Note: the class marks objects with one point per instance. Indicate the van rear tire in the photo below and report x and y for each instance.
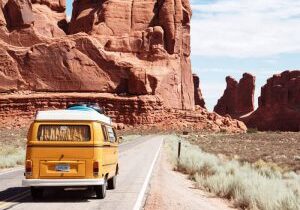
(36, 193)
(101, 190)
(111, 183)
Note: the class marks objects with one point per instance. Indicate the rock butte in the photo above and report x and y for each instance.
(136, 53)
(278, 105)
(238, 97)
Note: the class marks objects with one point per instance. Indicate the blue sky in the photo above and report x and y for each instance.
(230, 37)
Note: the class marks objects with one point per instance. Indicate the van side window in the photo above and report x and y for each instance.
(111, 134)
(104, 132)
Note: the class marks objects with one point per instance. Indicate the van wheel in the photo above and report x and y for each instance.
(36, 193)
(111, 183)
(101, 190)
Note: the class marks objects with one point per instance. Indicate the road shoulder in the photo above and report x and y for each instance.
(172, 190)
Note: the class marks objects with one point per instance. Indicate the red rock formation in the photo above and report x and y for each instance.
(130, 48)
(19, 13)
(279, 104)
(139, 112)
(56, 5)
(199, 100)
(24, 24)
(139, 50)
(238, 98)
(2, 18)
(158, 30)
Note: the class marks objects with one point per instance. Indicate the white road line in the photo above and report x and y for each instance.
(12, 170)
(139, 201)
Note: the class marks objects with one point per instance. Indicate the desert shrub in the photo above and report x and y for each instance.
(249, 186)
(11, 156)
(268, 169)
(252, 130)
(12, 147)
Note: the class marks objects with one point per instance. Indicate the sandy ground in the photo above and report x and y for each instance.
(271, 147)
(172, 190)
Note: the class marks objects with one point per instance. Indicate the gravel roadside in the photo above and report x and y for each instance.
(172, 190)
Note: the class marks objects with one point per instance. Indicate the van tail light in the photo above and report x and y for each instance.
(96, 168)
(28, 167)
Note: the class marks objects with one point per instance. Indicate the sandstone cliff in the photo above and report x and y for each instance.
(129, 47)
(238, 97)
(136, 53)
(279, 104)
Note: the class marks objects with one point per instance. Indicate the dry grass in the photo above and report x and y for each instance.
(11, 157)
(277, 149)
(12, 147)
(249, 186)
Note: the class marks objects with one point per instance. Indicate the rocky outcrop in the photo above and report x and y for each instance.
(19, 13)
(132, 25)
(139, 112)
(199, 100)
(279, 104)
(56, 5)
(26, 23)
(2, 17)
(159, 31)
(49, 18)
(129, 48)
(238, 97)
(137, 52)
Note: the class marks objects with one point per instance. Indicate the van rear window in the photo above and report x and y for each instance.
(76, 133)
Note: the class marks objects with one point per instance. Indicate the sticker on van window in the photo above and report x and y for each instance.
(63, 128)
(76, 133)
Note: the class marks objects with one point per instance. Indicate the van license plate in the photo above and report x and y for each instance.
(62, 167)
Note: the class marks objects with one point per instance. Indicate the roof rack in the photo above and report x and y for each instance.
(93, 106)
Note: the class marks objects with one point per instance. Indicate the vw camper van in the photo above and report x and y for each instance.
(71, 148)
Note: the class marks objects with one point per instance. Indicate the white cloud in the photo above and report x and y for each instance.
(246, 28)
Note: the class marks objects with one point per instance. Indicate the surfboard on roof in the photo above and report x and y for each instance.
(74, 113)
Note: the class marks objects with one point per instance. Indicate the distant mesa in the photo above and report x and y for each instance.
(238, 97)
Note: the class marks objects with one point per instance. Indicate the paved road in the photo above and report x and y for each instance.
(136, 162)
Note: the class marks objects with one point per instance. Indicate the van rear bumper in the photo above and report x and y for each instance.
(61, 182)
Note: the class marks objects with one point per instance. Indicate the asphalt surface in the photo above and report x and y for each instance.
(136, 161)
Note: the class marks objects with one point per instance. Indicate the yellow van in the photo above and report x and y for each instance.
(71, 148)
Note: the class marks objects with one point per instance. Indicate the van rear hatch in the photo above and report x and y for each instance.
(62, 150)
